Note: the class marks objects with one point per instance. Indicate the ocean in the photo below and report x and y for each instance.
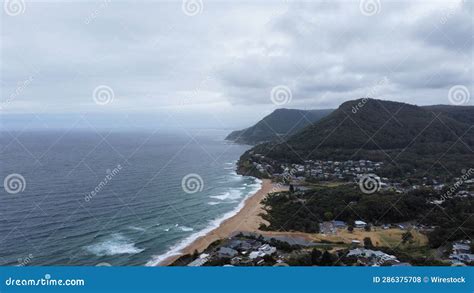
(113, 198)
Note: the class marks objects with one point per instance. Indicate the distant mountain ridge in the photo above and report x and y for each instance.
(278, 125)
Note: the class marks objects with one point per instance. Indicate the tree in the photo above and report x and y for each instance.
(328, 216)
(268, 259)
(368, 242)
(326, 259)
(315, 255)
(407, 237)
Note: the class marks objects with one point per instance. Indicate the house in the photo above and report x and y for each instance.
(373, 256)
(339, 224)
(240, 245)
(460, 248)
(263, 250)
(254, 254)
(360, 224)
(266, 249)
(226, 252)
(201, 260)
(464, 257)
(235, 261)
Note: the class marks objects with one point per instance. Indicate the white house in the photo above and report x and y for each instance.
(360, 224)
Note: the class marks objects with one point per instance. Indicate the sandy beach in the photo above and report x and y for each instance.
(246, 220)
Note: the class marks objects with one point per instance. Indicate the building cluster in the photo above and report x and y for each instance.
(460, 189)
(328, 170)
(323, 170)
(369, 257)
(240, 252)
(461, 253)
(355, 171)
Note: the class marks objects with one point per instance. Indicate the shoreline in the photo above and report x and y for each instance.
(247, 219)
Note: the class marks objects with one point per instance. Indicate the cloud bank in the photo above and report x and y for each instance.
(198, 57)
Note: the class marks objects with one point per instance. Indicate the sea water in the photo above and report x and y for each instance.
(118, 198)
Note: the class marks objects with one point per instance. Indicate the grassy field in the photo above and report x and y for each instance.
(387, 238)
(325, 184)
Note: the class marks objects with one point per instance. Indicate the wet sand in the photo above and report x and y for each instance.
(246, 220)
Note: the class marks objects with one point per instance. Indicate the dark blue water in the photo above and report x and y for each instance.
(115, 198)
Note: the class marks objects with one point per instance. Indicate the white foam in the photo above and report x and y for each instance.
(229, 195)
(186, 229)
(213, 203)
(176, 249)
(117, 244)
(137, 228)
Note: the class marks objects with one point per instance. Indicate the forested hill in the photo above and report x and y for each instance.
(407, 136)
(278, 125)
(463, 114)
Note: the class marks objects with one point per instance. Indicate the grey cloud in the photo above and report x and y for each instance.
(338, 51)
(231, 55)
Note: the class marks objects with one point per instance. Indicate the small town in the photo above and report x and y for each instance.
(349, 171)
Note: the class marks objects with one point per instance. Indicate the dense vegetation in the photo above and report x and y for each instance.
(278, 125)
(412, 141)
(464, 114)
(303, 211)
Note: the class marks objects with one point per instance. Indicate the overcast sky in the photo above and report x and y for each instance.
(204, 63)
